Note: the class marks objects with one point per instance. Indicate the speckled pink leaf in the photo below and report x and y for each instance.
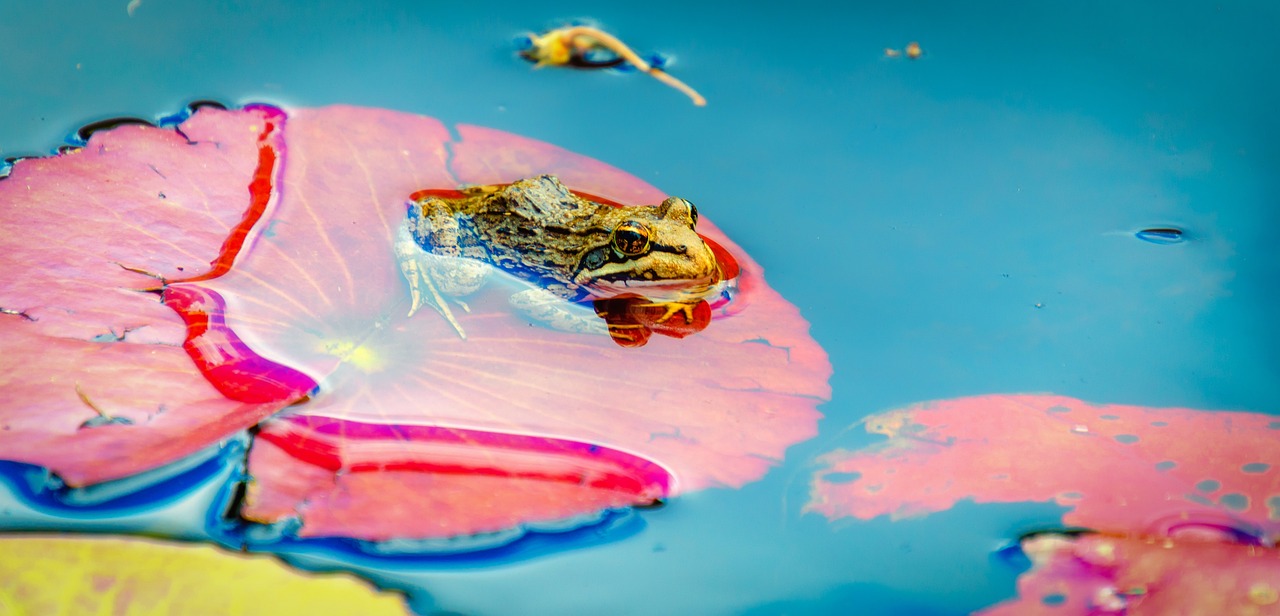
(1120, 468)
(1096, 575)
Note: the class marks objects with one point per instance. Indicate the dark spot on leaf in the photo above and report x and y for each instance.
(1234, 501)
(1127, 439)
(1209, 485)
(1255, 467)
(1056, 598)
(1166, 465)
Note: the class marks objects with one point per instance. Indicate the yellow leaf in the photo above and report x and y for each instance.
(48, 575)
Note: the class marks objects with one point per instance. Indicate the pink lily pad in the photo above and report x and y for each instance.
(94, 383)
(1120, 468)
(1095, 575)
(435, 482)
(323, 294)
(269, 241)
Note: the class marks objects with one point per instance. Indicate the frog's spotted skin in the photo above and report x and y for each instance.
(566, 247)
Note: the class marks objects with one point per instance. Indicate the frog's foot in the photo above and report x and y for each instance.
(671, 309)
(427, 273)
(419, 281)
(549, 309)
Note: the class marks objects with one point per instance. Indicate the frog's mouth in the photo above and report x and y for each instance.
(674, 290)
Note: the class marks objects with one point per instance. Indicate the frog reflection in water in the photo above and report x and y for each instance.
(567, 248)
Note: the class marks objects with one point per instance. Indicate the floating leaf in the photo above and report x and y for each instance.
(270, 240)
(107, 575)
(1094, 574)
(1120, 468)
(94, 383)
(321, 292)
(383, 482)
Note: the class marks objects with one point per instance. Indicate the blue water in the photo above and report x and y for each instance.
(962, 224)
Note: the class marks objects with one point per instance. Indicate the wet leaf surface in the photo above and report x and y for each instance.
(107, 575)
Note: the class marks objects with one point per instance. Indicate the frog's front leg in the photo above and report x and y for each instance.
(556, 312)
(434, 279)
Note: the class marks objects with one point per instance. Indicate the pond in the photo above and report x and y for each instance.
(1055, 206)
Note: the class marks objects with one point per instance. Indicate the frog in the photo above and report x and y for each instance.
(565, 248)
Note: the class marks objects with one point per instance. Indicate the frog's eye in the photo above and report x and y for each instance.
(693, 213)
(631, 238)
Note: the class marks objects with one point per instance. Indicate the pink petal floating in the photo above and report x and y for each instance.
(1095, 575)
(1121, 468)
(94, 383)
(321, 292)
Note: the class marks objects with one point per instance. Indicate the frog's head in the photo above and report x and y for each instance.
(649, 247)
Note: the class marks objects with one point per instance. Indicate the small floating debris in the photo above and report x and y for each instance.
(912, 51)
(582, 46)
(103, 419)
(1161, 235)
